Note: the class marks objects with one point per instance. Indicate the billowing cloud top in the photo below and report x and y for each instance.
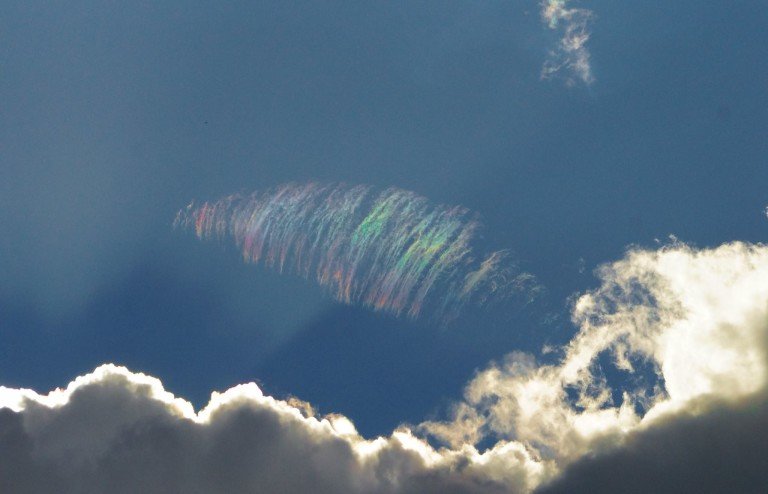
(687, 328)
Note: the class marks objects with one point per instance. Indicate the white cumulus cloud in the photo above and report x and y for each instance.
(688, 327)
(118, 431)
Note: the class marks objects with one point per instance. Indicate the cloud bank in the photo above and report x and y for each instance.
(571, 55)
(662, 389)
(117, 431)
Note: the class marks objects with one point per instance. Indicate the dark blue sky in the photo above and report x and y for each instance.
(116, 114)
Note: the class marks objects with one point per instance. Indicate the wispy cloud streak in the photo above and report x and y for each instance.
(391, 251)
(571, 54)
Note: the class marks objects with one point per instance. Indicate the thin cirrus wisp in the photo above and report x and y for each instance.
(391, 251)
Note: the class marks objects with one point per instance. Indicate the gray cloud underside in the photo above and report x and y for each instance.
(113, 436)
(722, 451)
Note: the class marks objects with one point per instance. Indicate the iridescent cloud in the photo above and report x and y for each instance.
(392, 251)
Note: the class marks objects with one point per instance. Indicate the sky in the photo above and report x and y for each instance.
(616, 153)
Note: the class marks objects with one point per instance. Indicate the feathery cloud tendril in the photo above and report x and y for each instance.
(391, 251)
(571, 54)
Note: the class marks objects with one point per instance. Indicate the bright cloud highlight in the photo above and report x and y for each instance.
(697, 318)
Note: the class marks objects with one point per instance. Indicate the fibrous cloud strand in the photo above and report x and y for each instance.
(391, 251)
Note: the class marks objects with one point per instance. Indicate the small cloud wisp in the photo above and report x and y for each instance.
(571, 54)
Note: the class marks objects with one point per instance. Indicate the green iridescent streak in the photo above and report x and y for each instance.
(424, 247)
(373, 224)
